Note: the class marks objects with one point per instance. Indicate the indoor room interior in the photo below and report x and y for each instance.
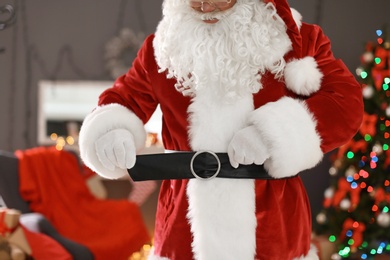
(56, 57)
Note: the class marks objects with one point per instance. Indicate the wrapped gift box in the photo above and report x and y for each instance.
(12, 231)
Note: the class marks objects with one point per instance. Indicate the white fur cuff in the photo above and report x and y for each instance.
(289, 132)
(102, 120)
(302, 76)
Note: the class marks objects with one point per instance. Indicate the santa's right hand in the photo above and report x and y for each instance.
(116, 149)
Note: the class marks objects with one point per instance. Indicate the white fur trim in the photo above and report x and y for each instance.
(302, 76)
(220, 207)
(102, 120)
(217, 209)
(289, 132)
(297, 17)
(311, 255)
(152, 256)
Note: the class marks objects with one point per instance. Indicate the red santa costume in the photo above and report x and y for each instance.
(258, 68)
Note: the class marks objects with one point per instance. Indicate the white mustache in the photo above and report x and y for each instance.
(214, 15)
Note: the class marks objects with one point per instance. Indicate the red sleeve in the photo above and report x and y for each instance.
(134, 89)
(338, 105)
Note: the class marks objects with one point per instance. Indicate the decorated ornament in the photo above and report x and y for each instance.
(350, 171)
(335, 257)
(359, 71)
(328, 197)
(332, 171)
(378, 148)
(321, 218)
(329, 193)
(368, 92)
(383, 219)
(345, 204)
(367, 57)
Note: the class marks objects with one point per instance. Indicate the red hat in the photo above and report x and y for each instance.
(301, 74)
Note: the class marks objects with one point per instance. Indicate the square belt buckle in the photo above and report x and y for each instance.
(205, 178)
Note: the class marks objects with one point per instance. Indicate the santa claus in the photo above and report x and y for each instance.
(241, 78)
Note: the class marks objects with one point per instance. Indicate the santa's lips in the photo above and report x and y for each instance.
(212, 17)
(212, 20)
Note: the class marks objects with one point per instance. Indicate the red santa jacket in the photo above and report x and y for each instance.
(299, 125)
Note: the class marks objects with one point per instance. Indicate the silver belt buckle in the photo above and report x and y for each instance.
(192, 165)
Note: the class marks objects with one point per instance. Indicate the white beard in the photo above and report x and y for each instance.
(229, 56)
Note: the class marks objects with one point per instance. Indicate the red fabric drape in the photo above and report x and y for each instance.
(44, 247)
(52, 183)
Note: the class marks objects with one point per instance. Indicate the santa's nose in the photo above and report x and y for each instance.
(207, 7)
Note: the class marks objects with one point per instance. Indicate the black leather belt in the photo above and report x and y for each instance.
(203, 165)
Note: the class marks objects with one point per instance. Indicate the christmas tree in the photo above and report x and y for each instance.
(356, 209)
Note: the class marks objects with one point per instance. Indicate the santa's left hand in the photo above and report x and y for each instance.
(247, 147)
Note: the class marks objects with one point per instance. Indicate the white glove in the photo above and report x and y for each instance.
(116, 149)
(247, 147)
